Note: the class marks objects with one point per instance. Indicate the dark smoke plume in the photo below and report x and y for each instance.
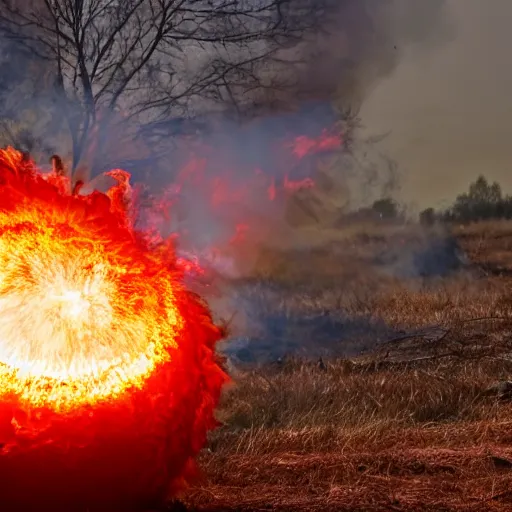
(333, 72)
(362, 43)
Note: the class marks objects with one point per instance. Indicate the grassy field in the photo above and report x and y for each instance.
(400, 412)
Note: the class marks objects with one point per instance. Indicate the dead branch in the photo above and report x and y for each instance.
(150, 59)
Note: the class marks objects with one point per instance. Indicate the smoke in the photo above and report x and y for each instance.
(235, 164)
(449, 111)
(216, 182)
(361, 45)
(24, 121)
(340, 68)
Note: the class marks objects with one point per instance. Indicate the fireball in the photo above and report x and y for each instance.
(108, 376)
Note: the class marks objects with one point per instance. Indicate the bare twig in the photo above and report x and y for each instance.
(151, 58)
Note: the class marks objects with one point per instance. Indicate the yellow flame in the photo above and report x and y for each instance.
(73, 328)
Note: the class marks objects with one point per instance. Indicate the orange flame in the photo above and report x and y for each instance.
(88, 310)
(108, 375)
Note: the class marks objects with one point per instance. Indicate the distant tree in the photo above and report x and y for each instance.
(387, 208)
(483, 201)
(428, 217)
(482, 192)
(507, 207)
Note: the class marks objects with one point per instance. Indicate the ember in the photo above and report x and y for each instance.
(108, 374)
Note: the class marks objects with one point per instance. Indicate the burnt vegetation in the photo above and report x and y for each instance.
(363, 386)
(366, 391)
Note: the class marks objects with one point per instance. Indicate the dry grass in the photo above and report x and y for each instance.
(406, 427)
(299, 438)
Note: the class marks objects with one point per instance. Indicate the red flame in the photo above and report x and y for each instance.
(108, 374)
(303, 146)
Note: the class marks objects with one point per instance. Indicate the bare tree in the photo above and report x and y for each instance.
(147, 60)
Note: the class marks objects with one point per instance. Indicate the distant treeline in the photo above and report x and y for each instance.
(382, 209)
(483, 201)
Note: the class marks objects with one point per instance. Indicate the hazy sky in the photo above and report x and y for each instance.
(450, 109)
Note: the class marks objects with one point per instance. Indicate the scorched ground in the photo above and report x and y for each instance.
(108, 379)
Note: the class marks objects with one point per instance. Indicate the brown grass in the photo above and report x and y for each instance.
(409, 426)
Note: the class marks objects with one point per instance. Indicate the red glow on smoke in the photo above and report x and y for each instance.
(223, 187)
(303, 146)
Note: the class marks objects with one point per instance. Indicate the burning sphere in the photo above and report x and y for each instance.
(108, 377)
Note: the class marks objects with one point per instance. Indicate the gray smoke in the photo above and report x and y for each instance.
(362, 43)
(449, 110)
(334, 73)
